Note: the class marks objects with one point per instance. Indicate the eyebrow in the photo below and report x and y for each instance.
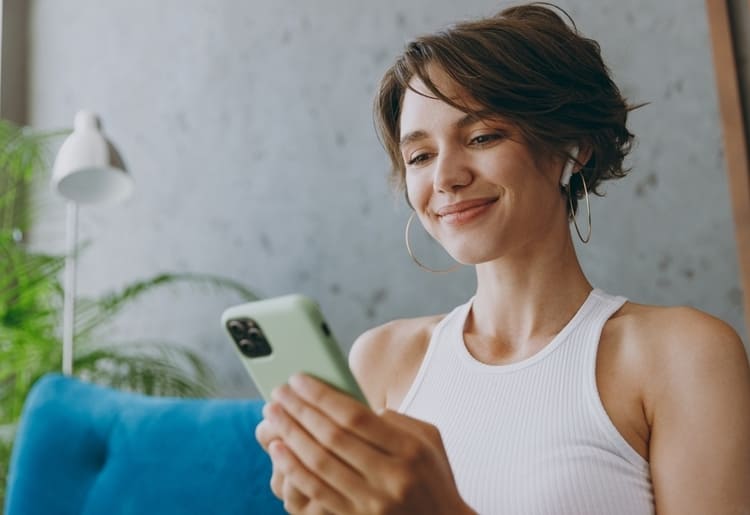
(463, 122)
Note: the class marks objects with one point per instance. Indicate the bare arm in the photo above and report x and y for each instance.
(698, 400)
(385, 359)
(366, 362)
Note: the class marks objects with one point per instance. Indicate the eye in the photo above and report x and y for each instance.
(418, 159)
(484, 139)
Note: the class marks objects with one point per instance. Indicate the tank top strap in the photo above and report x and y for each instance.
(605, 305)
(445, 333)
(590, 336)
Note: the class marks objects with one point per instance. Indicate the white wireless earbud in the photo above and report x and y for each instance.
(568, 170)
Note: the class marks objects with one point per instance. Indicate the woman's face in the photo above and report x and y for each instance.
(474, 183)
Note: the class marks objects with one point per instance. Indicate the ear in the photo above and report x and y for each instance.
(576, 161)
(569, 165)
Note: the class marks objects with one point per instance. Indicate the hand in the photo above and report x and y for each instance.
(266, 434)
(344, 458)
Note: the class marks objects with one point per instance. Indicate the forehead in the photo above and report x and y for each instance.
(420, 107)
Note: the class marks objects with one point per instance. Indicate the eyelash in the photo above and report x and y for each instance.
(417, 159)
(489, 137)
(486, 139)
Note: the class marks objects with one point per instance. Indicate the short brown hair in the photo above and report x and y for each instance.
(530, 67)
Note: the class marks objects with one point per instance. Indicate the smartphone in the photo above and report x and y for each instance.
(279, 337)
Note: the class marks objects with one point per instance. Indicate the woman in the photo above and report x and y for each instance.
(541, 394)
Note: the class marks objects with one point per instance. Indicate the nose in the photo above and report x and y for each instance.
(452, 171)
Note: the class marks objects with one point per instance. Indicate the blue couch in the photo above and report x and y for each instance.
(85, 449)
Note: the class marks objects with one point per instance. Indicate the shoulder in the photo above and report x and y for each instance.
(695, 382)
(385, 359)
(665, 330)
(678, 350)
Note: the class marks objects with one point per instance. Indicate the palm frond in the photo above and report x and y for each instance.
(6, 447)
(22, 154)
(151, 367)
(93, 313)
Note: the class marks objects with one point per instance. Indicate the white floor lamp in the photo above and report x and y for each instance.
(87, 170)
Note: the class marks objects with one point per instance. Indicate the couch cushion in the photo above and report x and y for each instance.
(85, 449)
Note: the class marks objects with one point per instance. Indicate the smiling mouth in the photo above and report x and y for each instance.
(464, 212)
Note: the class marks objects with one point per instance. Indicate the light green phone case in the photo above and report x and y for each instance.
(299, 340)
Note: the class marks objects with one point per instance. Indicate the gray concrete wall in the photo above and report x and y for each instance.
(247, 126)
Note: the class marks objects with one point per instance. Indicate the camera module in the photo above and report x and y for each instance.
(249, 337)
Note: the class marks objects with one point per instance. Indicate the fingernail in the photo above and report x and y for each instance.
(281, 394)
(276, 448)
(298, 381)
(275, 393)
(271, 412)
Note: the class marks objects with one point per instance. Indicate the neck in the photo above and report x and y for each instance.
(524, 299)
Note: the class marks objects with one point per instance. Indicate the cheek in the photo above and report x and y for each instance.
(418, 190)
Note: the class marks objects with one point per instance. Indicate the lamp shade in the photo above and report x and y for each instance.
(87, 168)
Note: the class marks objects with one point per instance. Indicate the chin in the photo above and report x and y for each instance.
(472, 256)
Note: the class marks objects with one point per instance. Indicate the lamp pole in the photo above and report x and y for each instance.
(69, 298)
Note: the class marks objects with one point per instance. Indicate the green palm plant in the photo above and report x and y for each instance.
(31, 299)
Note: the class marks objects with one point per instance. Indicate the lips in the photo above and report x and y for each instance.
(465, 205)
(464, 212)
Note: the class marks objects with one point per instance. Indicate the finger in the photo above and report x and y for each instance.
(284, 490)
(314, 456)
(348, 447)
(299, 477)
(299, 503)
(294, 500)
(277, 483)
(265, 433)
(347, 412)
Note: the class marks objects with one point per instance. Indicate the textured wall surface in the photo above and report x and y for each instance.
(247, 127)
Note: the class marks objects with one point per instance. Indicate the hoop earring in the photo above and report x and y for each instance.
(413, 257)
(588, 210)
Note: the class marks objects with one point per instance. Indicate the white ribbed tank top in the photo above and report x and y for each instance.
(531, 437)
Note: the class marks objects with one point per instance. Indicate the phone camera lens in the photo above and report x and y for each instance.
(236, 327)
(246, 346)
(249, 338)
